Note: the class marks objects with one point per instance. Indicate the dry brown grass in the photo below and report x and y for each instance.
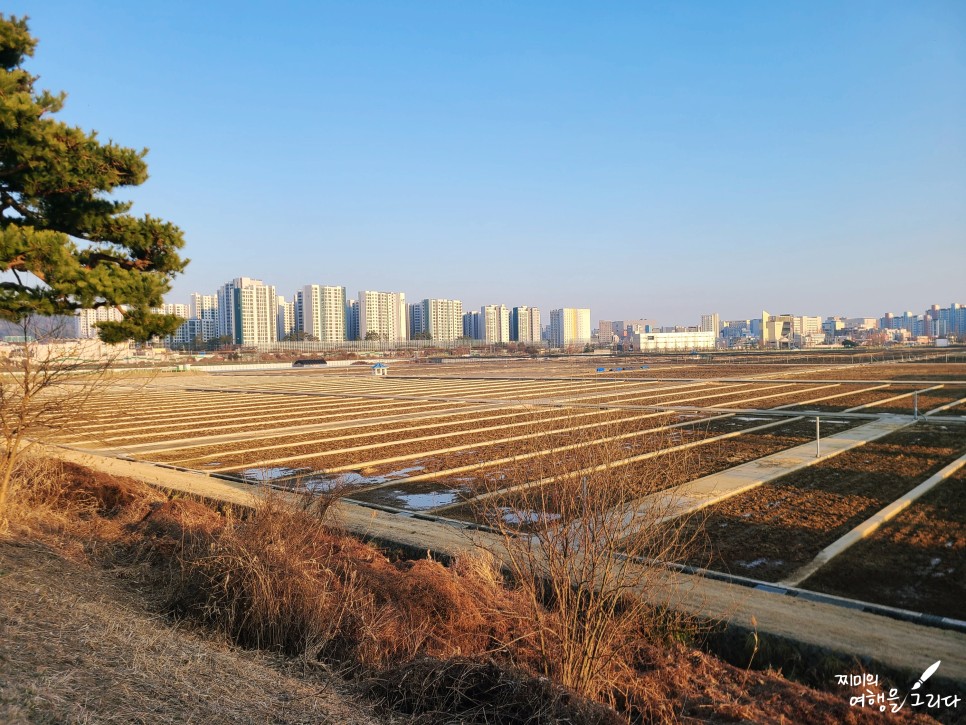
(446, 644)
(581, 561)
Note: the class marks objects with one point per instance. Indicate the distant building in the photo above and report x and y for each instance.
(286, 318)
(495, 324)
(323, 312)
(710, 323)
(525, 324)
(383, 315)
(85, 320)
(204, 308)
(417, 323)
(672, 341)
(352, 319)
(186, 333)
(248, 312)
(569, 326)
(442, 319)
(471, 325)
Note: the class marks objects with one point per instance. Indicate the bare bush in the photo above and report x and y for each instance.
(45, 386)
(587, 543)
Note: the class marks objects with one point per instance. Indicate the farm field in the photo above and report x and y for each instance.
(915, 561)
(434, 438)
(771, 531)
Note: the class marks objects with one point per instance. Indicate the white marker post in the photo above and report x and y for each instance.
(818, 439)
(915, 405)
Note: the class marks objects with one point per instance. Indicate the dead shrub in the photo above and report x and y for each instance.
(461, 690)
(587, 541)
(268, 582)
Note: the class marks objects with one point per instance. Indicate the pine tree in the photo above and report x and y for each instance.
(65, 242)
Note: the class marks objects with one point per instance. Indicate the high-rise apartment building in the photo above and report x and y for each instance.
(471, 325)
(525, 324)
(204, 308)
(569, 326)
(286, 318)
(323, 312)
(417, 321)
(495, 324)
(351, 319)
(383, 316)
(86, 319)
(248, 312)
(442, 319)
(710, 323)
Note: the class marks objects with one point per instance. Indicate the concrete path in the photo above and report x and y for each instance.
(867, 527)
(846, 631)
(703, 492)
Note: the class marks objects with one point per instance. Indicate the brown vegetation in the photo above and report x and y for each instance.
(461, 644)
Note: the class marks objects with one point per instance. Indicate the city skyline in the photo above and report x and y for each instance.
(657, 159)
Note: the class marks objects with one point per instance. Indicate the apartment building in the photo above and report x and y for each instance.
(471, 325)
(286, 318)
(442, 319)
(351, 319)
(204, 308)
(710, 323)
(323, 312)
(570, 326)
(525, 324)
(495, 324)
(248, 312)
(383, 315)
(85, 320)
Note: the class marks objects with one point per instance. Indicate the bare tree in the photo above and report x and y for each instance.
(46, 385)
(588, 542)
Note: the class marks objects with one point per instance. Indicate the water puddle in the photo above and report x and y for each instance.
(320, 481)
(426, 501)
(759, 562)
(526, 517)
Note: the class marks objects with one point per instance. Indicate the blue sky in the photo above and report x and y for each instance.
(658, 159)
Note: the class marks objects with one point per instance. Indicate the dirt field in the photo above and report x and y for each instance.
(774, 529)
(915, 561)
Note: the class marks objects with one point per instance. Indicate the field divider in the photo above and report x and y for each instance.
(688, 498)
(592, 469)
(402, 441)
(186, 429)
(871, 524)
(425, 454)
(947, 406)
(894, 397)
(263, 433)
(831, 397)
(635, 459)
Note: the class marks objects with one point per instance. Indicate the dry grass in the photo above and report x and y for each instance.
(443, 644)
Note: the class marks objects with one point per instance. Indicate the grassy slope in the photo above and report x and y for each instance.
(93, 558)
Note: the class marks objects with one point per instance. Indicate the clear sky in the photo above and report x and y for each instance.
(645, 159)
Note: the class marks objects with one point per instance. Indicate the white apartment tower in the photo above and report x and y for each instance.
(495, 323)
(204, 308)
(86, 320)
(710, 323)
(323, 312)
(525, 324)
(286, 318)
(569, 326)
(248, 312)
(384, 314)
(442, 319)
